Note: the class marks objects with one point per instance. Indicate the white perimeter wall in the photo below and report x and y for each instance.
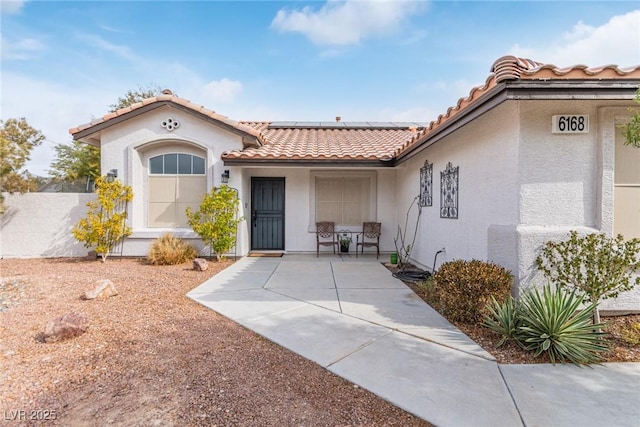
(40, 224)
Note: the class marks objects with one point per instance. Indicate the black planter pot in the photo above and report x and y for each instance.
(344, 248)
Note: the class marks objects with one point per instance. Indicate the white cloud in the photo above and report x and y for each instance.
(9, 7)
(22, 49)
(615, 42)
(222, 91)
(98, 42)
(112, 29)
(348, 22)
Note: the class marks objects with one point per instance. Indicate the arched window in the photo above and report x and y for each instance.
(176, 181)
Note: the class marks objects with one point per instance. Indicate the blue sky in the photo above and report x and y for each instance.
(64, 63)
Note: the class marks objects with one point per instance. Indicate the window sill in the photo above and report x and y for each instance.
(154, 233)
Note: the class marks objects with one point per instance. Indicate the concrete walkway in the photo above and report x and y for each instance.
(353, 318)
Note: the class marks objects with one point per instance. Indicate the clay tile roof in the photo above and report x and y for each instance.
(316, 141)
(168, 96)
(513, 68)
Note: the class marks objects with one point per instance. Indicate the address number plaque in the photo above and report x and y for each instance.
(565, 123)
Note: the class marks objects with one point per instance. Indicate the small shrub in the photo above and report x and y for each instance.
(503, 319)
(105, 224)
(462, 289)
(631, 334)
(552, 324)
(597, 266)
(216, 221)
(170, 250)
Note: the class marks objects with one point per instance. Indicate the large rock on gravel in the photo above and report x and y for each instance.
(63, 328)
(103, 289)
(200, 264)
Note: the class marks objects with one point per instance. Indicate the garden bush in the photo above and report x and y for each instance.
(105, 224)
(170, 250)
(597, 266)
(461, 290)
(549, 322)
(216, 221)
(631, 334)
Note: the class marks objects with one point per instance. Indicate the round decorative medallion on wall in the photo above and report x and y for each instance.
(170, 124)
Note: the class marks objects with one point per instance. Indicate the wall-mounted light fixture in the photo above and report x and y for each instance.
(112, 175)
(225, 176)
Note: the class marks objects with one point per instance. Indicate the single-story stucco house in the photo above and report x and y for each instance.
(533, 153)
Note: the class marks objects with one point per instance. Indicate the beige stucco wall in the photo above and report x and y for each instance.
(519, 186)
(574, 189)
(486, 152)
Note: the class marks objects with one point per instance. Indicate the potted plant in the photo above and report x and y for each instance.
(345, 241)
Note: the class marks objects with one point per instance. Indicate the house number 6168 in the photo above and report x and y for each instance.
(570, 124)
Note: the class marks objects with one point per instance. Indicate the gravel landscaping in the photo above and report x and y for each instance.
(151, 356)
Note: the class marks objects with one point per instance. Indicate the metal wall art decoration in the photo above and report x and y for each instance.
(426, 184)
(170, 124)
(449, 192)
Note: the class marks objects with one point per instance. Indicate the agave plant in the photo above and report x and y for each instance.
(551, 323)
(503, 319)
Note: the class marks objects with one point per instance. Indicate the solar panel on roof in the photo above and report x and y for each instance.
(333, 125)
(345, 125)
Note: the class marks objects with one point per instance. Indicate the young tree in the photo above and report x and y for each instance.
(217, 219)
(596, 266)
(105, 224)
(17, 139)
(76, 161)
(136, 95)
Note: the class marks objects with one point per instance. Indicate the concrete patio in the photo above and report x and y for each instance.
(354, 318)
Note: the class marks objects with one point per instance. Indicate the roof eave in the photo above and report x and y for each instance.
(248, 140)
(265, 162)
(526, 90)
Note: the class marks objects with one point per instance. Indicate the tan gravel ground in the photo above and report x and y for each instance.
(152, 356)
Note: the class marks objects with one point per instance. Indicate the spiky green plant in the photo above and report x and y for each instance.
(551, 323)
(503, 319)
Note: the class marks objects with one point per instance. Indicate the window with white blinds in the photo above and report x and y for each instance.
(176, 181)
(626, 196)
(344, 200)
